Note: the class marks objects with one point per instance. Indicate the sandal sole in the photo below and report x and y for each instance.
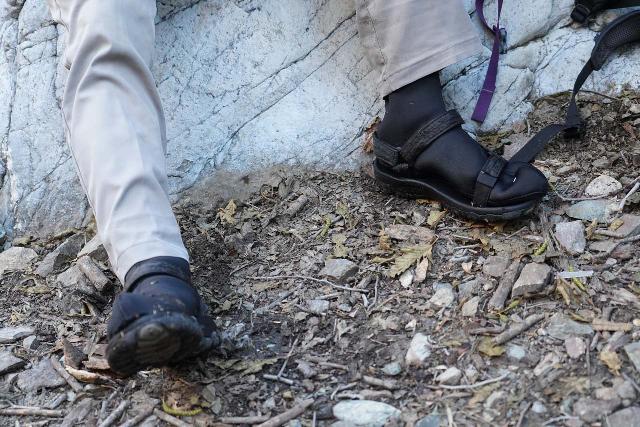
(415, 189)
(154, 341)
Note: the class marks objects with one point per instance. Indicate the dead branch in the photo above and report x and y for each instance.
(281, 419)
(170, 419)
(138, 418)
(73, 383)
(504, 288)
(32, 412)
(388, 384)
(245, 420)
(115, 415)
(517, 329)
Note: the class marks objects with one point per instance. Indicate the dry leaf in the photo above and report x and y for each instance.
(227, 214)
(409, 232)
(435, 217)
(410, 256)
(421, 270)
(339, 250)
(384, 241)
(488, 348)
(86, 376)
(611, 359)
(467, 266)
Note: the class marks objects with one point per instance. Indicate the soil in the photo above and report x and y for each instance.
(257, 263)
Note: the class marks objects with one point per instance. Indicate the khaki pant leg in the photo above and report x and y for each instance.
(406, 40)
(115, 126)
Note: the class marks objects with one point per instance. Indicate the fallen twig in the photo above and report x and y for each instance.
(278, 378)
(284, 365)
(517, 329)
(73, 383)
(504, 288)
(616, 243)
(605, 325)
(281, 419)
(629, 194)
(311, 279)
(32, 412)
(138, 418)
(522, 414)
(388, 384)
(170, 419)
(245, 420)
(574, 274)
(115, 415)
(491, 330)
(471, 386)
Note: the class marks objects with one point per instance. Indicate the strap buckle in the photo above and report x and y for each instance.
(502, 35)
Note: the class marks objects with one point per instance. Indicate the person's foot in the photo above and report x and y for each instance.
(446, 158)
(159, 319)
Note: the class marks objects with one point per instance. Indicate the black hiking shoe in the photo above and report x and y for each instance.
(422, 152)
(159, 319)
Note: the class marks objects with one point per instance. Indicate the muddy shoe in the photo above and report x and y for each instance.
(422, 152)
(159, 320)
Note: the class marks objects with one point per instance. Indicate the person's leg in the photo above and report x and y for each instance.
(408, 42)
(115, 128)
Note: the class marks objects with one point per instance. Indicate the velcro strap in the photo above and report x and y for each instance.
(487, 179)
(428, 133)
(386, 153)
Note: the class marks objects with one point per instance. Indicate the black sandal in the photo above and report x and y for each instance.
(394, 168)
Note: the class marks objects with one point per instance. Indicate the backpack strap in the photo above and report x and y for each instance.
(499, 46)
(586, 8)
(620, 32)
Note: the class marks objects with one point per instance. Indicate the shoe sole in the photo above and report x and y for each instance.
(415, 189)
(154, 341)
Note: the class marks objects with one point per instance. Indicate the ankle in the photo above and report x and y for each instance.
(174, 267)
(407, 108)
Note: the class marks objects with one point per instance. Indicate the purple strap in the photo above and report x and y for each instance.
(499, 42)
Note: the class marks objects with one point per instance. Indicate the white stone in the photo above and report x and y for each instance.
(450, 377)
(444, 295)
(406, 278)
(533, 278)
(367, 413)
(571, 236)
(232, 71)
(16, 259)
(12, 334)
(318, 306)
(470, 308)
(419, 350)
(602, 186)
(575, 347)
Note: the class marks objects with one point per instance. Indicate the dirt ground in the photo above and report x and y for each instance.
(411, 316)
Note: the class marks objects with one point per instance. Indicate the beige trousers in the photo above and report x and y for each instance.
(115, 124)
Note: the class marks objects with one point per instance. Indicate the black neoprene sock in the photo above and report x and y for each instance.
(455, 157)
(409, 107)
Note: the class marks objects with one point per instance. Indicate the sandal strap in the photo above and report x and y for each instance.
(428, 133)
(406, 155)
(487, 179)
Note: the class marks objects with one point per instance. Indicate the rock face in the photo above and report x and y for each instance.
(247, 84)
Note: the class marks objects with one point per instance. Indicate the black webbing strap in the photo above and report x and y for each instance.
(487, 179)
(418, 142)
(622, 31)
(586, 8)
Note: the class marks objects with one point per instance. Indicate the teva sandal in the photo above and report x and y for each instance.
(394, 168)
(160, 321)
